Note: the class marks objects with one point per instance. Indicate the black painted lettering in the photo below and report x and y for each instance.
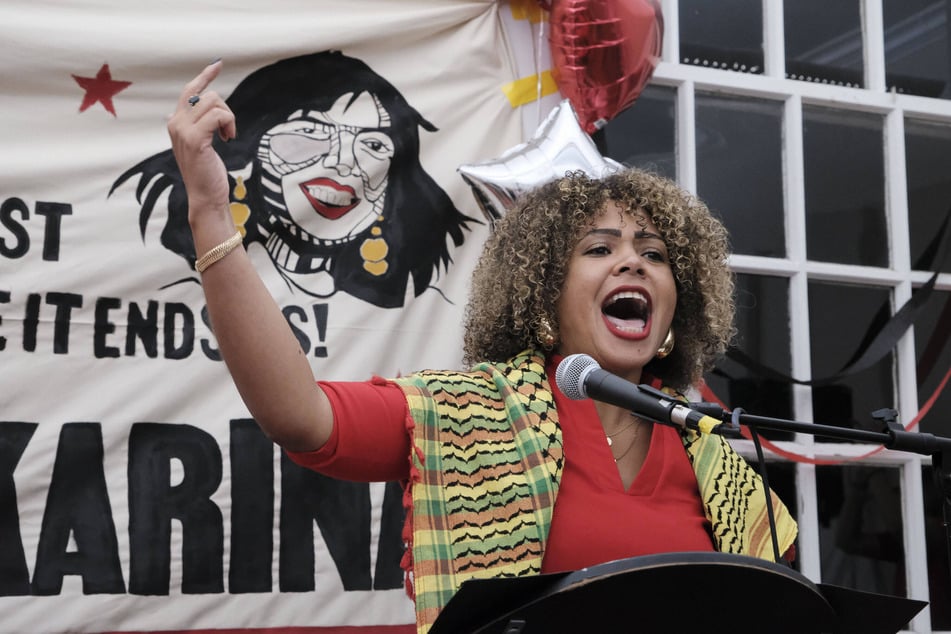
(4, 299)
(291, 312)
(77, 504)
(65, 303)
(173, 312)
(252, 508)
(18, 246)
(154, 502)
(142, 327)
(210, 351)
(54, 213)
(342, 512)
(14, 575)
(320, 318)
(31, 321)
(103, 327)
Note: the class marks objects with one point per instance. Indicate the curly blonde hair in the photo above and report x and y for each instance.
(518, 279)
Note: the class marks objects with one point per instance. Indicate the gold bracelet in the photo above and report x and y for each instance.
(218, 252)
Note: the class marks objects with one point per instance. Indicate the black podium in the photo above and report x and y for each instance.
(673, 593)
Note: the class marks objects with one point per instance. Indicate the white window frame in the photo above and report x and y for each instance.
(773, 85)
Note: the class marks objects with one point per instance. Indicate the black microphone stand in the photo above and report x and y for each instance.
(893, 436)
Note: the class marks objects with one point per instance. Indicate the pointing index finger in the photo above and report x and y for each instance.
(198, 85)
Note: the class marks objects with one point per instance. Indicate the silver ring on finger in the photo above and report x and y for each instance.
(194, 99)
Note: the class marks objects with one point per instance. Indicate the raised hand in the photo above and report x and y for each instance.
(199, 115)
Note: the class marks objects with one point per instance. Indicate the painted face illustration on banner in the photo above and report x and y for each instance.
(326, 175)
(331, 169)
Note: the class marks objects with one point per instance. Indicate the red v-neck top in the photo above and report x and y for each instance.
(594, 520)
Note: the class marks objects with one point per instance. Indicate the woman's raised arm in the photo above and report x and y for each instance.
(266, 362)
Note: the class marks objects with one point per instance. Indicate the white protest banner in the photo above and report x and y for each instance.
(136, 493)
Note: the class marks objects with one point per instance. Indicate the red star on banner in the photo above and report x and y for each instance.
(101, 88)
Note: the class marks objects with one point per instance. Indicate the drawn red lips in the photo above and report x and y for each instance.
(329, 198)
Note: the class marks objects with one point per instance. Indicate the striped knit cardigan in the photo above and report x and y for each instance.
(487, 461)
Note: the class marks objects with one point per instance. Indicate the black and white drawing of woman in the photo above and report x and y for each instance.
(325, 173)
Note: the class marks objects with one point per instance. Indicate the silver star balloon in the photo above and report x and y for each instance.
(558, 146)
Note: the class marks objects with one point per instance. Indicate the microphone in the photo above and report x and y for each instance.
(579, 376)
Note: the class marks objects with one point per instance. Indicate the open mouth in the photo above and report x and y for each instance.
(628, 311)
(329, 198)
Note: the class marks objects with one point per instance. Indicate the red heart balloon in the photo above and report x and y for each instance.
(603, 53)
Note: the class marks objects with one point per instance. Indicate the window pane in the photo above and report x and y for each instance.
(824, 41)
(916, 47)
(845, 187)
(842, 320)
(643, 134)
(860, 528)
(934, 358)
(726, 34)
(927, 148)
(740, 170)
(936, 540)
(762, 322)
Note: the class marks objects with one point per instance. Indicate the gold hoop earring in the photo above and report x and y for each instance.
(668, 346)
(546, 334)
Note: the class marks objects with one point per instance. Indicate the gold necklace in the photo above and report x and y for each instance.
(624, 429)
(637, 431)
